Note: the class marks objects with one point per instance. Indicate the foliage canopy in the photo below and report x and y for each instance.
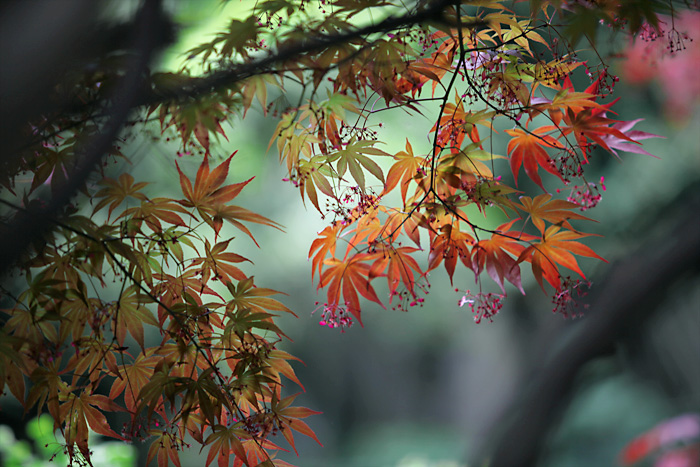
(103, 262)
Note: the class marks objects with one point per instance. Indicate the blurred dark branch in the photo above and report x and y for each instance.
(29, 227)
(427, 12)
(626, 298)
(195, 87)
(39, 41)
(431, 12)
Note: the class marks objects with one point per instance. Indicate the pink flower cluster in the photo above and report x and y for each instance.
(566, 299)
(588, 196)
(670, 55)
(483, 305)
(334, 316)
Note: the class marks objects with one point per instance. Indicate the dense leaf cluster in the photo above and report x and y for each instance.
(117, 263)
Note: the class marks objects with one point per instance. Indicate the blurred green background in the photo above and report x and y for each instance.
(425, 388)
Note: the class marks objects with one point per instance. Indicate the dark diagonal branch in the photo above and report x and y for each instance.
(628, 295)
(30, 226)
(433, 12)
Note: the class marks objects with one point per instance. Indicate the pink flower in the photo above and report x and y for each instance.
(671, 56)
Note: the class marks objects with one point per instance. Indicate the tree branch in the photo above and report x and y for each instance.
(29, 226)
(197, 87)
(628, 295)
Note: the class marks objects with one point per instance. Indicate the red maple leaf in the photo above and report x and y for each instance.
(528, 149)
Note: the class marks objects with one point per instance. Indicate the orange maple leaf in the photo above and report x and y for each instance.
(451, 244)
(399, 266)
(544, 208)
(323, 245)
(492, 255)
(207, 190)
(556, 247)
(406, 168)
(527, 149)
(348, 278)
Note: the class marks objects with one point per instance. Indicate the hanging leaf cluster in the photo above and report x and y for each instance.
(145, 306)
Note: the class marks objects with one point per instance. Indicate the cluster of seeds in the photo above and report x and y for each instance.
(334, 316)
(604, 81)
(587, 196)
(566, 299)
(483, 305)
(408, 299)
(351, 205)
(347, 132)
(138, 430)
(675, 40)
(569, 164)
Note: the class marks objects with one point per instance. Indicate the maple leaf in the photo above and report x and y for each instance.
(367, 228)
(510, 84)
(279, 365)
(440, 62)
(353, 158)
(521, 33)
(291, 145)
(258, 454)
(133, 377)
(203, 394)
(256, 86)
(79, 412)
(207, 190)
(411, 224)
(46, 385)
(613, 142)
(170, 291)
(165, 383)
(548, 74)
(449, 245)
(140, 265)
(289, 419)
(11, 365)
(115, 192)
(493, 255)
(399, 266)
(164, 448)
(464, 166)
(152, 211)
(225, 440)
(215, 261)
(370, 230)
(333, 112)
(314, 174)
(568, 99)
(199, 117)
(406, 168)
(323, 245)
(235, 214)
(242, 321)
(130, 314)
(246, 295)
(587, 125)
(527, 149)
(89, 360)
(181, 361)
(544, 208)
(347, 278)
(556, 247)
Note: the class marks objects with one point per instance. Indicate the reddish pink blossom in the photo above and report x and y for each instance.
(671, 56)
